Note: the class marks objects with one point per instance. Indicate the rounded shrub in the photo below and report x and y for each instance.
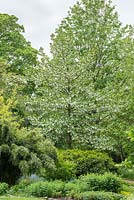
(88, 161)
(110, 182)
(107, 182)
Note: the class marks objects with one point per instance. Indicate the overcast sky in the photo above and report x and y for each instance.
(41, 17)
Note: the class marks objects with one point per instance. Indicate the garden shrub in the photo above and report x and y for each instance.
(75, 187)
(88, 161)
(111, 183)
(39, 189)
(46, 189)
(57, 188)
(91, 195)
(107, 182)
(20, 187)
(3, 188)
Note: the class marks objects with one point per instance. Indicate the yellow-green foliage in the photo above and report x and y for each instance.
(88, 161)
(22, 150)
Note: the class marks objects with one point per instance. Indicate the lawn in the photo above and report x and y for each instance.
(19, 198)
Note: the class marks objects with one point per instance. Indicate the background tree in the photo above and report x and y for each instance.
(16, 55)
(13, 46)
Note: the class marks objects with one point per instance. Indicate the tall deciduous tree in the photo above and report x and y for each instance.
(75, 90)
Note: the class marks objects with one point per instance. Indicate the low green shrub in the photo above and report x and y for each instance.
(57, 188)
(107, 182)
(88, 161)
(110, 182)
(3, 188)
(20, 187)
(46, 189)
(39, 189)
(75, 187)
(91, 195)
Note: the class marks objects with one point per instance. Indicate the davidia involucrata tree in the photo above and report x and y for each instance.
(79, 89)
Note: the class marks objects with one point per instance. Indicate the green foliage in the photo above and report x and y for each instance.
(130, 145)
(126, 169)
(57, 188)
(20, 198)
(73, 163)
(75, 187)
(107, 182)
(90, 182)
(99, 196)
(131, 135)
(127, 173)
(3, 188)
(22, 151)
(128, 188)
(87, 161)
(20, 187)
(46, 189)
(80, 90)
(64, 170)
(13, 46)
(81, 97)
(16, 57)
(111, 183)
(39, 189)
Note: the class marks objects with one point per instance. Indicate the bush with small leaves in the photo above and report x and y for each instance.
(20, 187)
(74, 187)
(46, 189)
(88, 161)
(3, 188)
(107, 182)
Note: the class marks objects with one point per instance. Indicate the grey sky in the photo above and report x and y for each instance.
(41, 17)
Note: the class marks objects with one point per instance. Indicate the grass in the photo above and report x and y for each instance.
(19, 198)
